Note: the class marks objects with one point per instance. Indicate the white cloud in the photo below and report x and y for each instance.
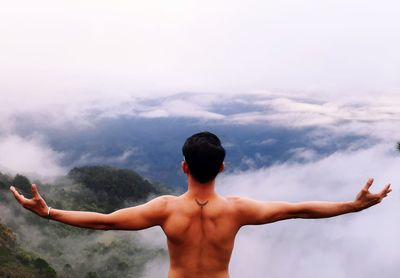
(268, 142)
(180, 108)
(29, 156)
(90, 159)
(303, 154)
(372, 116)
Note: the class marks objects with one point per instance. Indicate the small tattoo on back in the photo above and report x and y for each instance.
(201, 204)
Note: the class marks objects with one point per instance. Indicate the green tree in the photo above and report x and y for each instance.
(22, 183)
(112, 186)
(44, 268)
(40, 264)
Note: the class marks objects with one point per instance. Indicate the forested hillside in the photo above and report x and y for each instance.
(74, 252)
(16, 262)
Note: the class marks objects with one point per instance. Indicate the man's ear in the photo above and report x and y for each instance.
(222, 167)
(185, 167)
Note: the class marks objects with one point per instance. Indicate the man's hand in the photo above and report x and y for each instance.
(36, 204)
(366, 199)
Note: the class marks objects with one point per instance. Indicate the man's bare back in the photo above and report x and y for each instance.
(200, 236)
(200, 225)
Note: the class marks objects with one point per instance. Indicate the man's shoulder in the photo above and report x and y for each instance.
(162, 204)
(240, 203)
(236, 199)
(164, 199)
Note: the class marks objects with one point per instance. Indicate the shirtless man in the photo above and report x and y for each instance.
(200, 225)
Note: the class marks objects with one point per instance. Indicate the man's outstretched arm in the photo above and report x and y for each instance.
(150, 214)
(251, 212)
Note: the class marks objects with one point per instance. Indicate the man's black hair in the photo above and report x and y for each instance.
(204, 155)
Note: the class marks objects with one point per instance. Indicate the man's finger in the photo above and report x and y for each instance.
(385, 190)
(368, 184)
(35, 192)
(20, 198)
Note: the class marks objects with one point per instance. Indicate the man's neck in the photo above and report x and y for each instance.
(201, 191)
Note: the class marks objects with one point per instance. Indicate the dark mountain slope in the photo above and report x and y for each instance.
(15, 262)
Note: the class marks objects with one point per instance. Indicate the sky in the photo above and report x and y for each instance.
(328, 64)
(64, 48)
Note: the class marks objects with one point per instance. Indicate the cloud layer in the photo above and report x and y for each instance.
(29, 156)
(372, 118)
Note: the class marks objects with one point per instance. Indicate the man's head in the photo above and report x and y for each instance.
(204, 156)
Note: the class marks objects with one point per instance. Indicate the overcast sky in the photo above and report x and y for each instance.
(55, 48)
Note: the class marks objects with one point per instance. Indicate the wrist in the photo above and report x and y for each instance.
(43, 212)
(48, 216)
(357, 205)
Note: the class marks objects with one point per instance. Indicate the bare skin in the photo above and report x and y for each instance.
(200, 225)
